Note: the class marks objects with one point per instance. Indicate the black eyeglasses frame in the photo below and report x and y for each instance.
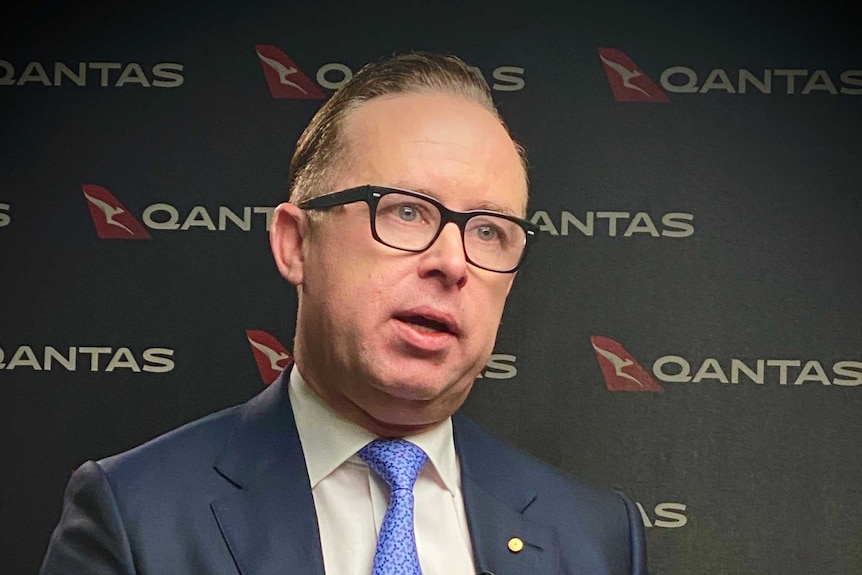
(371, 195)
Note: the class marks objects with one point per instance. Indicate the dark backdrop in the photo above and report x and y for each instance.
(695, 168)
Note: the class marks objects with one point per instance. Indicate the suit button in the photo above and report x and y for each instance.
(515, 545)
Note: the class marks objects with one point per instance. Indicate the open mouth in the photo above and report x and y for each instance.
(426, 324)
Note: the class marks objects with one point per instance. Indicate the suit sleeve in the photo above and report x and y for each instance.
(637, 541)
(90, 538)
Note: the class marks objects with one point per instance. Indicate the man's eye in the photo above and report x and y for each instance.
(408, 213)
(487, 233)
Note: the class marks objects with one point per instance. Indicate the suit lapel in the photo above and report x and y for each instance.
(504, 541)
(269, 521)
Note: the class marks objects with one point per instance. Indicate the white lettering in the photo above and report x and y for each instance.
(819, 80)
(24, 357)
(682, 376)
(94, 353)
(61, 70)
(511, 78)
(612, 218)
(644, 516)
(851, 77)
(103, 68)
(677, 221)
(807, 375)
(782, 365)
(791, 76)
(167, 75)
(171, 223)
(52, 354)
(587, 228)
(199, 217)
(132, 74)
(344, 71)
(500, 366)
(123, 358)
(690, 85)
(710, 369)
(8, 76)
(848, 369)
(717, 80)
(225, 214)
(159, 359)
(671, 516)
(737, 366)
(34, 72)
(746, 77)
(267, 212)
(5, 217)
(543, 220)
(641, 223)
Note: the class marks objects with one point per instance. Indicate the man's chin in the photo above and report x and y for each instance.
(411, 402)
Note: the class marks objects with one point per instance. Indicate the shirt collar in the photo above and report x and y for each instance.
(328, 439)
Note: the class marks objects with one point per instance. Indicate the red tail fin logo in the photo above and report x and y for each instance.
(269, 354)
(111, 218)
(622, 371)
(285, 79)
(628, 82)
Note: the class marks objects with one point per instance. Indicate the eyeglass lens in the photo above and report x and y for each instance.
(411, 223)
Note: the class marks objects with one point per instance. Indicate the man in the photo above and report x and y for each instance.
(403, 235)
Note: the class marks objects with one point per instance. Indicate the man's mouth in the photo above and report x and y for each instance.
(428, 320)
(426, 324)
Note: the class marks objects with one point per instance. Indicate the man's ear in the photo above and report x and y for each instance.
(287, 231)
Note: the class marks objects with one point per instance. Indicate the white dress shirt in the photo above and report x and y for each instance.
(351, 499)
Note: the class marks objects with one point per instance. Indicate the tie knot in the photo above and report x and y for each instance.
(397, 461)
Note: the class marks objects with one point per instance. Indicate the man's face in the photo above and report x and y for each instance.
(392, 339)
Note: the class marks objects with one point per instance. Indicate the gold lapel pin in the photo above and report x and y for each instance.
(515, 545)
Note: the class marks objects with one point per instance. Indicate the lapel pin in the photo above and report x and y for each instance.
(515, 545)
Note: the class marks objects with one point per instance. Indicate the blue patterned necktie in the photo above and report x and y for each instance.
(398, 462)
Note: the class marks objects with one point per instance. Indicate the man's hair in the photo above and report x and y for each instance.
(322, 147)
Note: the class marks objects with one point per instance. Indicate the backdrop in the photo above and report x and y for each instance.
(686, 330)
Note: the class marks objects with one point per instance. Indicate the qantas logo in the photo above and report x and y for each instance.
(104, 74)
(111, 218)
(88, 358)
(628, 82)
(615, 224)
(622, 371)
(285, 79)
(113, 221)
(269, 354)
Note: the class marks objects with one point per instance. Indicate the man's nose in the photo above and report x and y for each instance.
(445, 258)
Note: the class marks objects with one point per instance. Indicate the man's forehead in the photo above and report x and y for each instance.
(387, 121)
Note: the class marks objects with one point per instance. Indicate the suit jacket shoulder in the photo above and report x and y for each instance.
(223, 494)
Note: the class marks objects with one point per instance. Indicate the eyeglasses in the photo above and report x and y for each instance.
(411, 221)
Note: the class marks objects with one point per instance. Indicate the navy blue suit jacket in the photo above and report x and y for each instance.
(229, 494)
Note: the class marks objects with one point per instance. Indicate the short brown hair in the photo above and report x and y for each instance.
(322, 144)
